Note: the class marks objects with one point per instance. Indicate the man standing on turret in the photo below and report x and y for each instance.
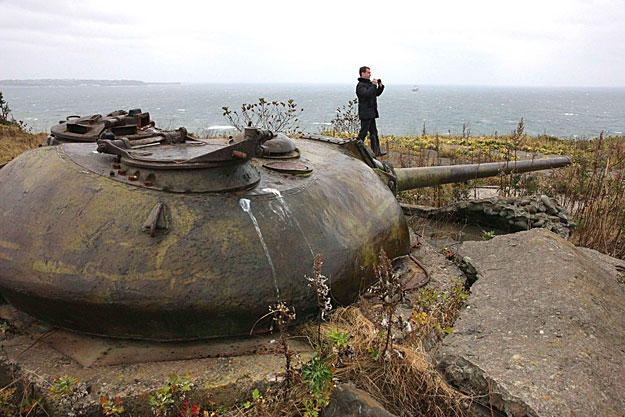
(367, 92)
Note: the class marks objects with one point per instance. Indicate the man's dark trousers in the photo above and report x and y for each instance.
(368, 125)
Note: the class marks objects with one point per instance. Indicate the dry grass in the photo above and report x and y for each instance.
(14, 141)
(406, 382)
(593, 191)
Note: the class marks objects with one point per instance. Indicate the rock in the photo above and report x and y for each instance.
(551, 207)
(505, 214)
(520, 224)
(348, 401)
(552, 322)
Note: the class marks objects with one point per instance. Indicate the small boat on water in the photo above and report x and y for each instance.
(415, 88)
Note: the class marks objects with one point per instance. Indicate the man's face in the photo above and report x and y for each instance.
(366, 74)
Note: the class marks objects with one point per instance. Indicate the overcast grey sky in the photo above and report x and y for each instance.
(455, 42)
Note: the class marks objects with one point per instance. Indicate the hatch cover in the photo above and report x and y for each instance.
(289, 167)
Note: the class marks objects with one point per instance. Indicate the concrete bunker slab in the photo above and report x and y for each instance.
(543, 332)
(225, 370)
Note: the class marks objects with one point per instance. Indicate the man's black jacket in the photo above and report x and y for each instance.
(367, 94)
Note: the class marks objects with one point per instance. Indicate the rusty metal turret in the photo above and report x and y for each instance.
(146, 234)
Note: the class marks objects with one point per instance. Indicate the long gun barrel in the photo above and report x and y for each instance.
(409, 178)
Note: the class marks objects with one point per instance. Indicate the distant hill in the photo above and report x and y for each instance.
(74, 83)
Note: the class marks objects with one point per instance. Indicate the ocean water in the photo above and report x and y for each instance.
(562, 112)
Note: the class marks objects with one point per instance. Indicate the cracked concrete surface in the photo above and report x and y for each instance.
(543, 333)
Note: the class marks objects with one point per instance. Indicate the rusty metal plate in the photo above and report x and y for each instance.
(289, 167)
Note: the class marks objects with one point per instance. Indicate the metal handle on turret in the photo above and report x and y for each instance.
(409, 178)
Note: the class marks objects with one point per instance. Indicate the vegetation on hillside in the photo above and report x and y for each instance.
(14, 135)
(14, 141)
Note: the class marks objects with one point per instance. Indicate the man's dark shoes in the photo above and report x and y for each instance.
(381, 153)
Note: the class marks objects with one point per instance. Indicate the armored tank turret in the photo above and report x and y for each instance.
(172, 238)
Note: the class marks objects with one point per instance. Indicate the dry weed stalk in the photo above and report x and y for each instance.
(282, 315)
(320, 283)
(513, 145)
(390, 291)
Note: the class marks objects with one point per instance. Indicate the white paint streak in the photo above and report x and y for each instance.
(246, 206)
(290, 216)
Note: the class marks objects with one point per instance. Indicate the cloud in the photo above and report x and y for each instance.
(448, 42)
(74, 11)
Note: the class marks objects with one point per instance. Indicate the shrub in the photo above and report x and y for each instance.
(346, 119)
(273, 115)
(6, 118)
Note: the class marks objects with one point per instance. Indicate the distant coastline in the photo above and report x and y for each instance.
(76, 83)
